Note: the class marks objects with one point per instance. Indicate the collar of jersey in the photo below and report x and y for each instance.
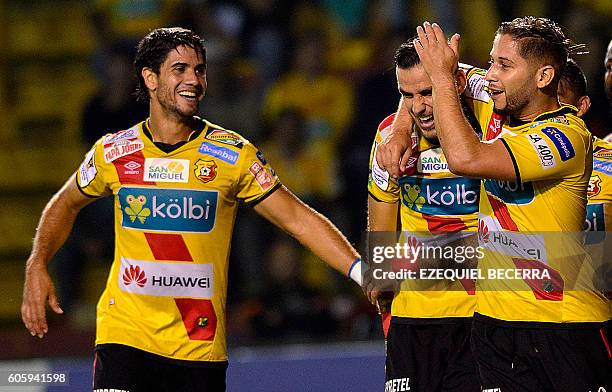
(167, 148)
(564, 109)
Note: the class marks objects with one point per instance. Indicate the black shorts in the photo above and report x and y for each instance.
(430, 355)
(123, 368)
(521, 356)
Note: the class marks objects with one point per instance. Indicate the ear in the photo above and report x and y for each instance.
(583, 105)
(150, 78)
(545, 76)
(460, 81)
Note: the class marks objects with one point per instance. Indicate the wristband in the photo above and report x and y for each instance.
(355, 271)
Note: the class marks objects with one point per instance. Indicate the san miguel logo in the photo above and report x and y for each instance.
(205, 170)
(133, 274)
(594, 186)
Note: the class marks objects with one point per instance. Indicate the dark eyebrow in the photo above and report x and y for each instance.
(506, 59)
(179, 63)
(421, 92)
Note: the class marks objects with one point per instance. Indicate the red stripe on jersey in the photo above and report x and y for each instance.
(502, 214)
(469, 285)
(130, 169)
(386, 122)
(543, 289)
(602, 333)
(168, 247)
(439, 224)
(199, 317)
(386, 322)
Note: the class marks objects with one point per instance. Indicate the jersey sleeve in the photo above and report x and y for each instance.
(257, 178)
(90, 174)
(380, 185)
(546, 152)
(478, 100)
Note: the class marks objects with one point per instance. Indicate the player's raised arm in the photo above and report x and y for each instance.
(465, 153)
(52, 231)
(312, 230)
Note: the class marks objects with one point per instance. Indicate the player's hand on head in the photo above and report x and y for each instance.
(38, 289)
(438, 56)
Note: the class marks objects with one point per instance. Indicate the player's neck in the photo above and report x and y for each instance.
(538, 105)
(169, 129)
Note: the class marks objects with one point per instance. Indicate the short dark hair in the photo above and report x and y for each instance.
(153, 50)
(406, 55)
(541, 39)
(575, 77)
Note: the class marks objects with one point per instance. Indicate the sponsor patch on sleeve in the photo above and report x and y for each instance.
(380, 176)
(562, 142)
(224, 154)
(88, 171)
(225, 137)
(131, 133)
(547, 158)
(602, 166)
(263, 178)
(122, 148)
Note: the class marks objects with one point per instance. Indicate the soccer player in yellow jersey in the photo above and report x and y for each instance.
(426, 323)
(541, 327)
(177, 181)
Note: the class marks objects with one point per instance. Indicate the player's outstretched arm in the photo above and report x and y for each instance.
(52, 231)
(311, 229)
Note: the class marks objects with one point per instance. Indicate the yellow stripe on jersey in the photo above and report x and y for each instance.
(174, 216)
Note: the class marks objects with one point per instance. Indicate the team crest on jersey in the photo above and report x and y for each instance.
(205, 170)
(225, 137)
(594, 186)
(122, 148)
(601, 152)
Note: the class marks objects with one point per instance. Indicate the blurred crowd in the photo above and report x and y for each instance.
(307, 82)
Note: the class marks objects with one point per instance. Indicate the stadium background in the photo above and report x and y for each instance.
(306, 81)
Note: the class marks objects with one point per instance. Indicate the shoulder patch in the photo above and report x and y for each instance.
(122, 148)
(225, 137)
(562, 142)
(547, 158)
(88, 171)
(602, 166)
(131, 133)
(224, 154)
(476, 87)
(601, 152)
(380, 176)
